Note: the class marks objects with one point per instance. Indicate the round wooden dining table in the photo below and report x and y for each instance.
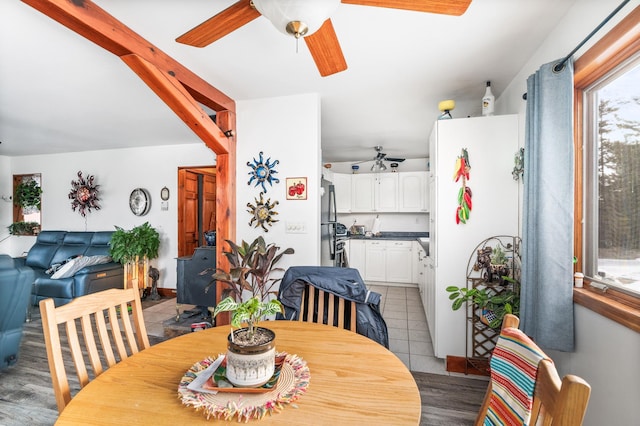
(353, 381)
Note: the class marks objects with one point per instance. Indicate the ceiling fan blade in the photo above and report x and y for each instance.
(395, 160)
(325, 50)
(225, 22)
(444, 7)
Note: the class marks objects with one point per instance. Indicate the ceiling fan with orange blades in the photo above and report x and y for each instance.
(309, 19)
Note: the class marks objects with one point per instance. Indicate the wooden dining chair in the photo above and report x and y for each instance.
(103, 314)
(556, 402)
(322, 307)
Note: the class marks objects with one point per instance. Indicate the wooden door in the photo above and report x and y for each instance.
(197, 207)
(188, 217)
(208, 197)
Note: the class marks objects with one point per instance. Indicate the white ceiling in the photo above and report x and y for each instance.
(61, 93)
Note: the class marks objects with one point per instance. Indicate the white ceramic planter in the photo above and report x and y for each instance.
(251, 366)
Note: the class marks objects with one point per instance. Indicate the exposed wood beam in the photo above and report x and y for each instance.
(180, 101)
(95, 24)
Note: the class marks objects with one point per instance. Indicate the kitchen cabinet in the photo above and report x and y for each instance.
(491, 143)
(342, 185)
(385, 192)
(383, 260)
(376, 261)
(357, 253)
(381, 192)
(413, 192)
(362, 192)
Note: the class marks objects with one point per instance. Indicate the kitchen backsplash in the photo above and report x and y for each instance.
(389, 222)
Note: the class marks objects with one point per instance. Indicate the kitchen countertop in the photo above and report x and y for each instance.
(396, 236)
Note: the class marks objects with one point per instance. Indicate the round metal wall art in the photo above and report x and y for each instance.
(262, 212)
(263, 171)
(84, 194)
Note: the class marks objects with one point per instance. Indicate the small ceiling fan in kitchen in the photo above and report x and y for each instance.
(379, 159)
(308, 19)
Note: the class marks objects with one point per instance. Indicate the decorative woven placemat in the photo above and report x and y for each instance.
(293, 382)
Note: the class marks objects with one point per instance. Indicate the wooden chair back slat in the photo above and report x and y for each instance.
(90, 312)
(315, 302)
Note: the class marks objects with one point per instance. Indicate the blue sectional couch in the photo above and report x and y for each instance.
(60, 265)
(15, 289)
(88, 268)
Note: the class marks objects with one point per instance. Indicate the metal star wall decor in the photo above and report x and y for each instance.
(262, 171)
(262, 213)
(84, 194)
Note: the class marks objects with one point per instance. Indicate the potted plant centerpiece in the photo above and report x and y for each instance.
(134, 249)
(250, 297)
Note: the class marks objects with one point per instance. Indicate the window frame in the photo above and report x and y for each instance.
(616, 47)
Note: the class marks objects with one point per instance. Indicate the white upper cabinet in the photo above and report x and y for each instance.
(382, 192)
(386, 192)
(342, 185)
(362, 192)
(413, 192)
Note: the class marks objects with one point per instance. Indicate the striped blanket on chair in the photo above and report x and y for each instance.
(514, 366)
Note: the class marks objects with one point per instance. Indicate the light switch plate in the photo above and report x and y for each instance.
(296, 228)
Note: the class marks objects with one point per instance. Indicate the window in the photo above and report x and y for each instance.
(606, 238)
(612, 179)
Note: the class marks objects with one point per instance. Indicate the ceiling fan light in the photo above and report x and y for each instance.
(309, 13)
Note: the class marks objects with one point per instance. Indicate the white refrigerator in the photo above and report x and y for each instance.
(491, 143)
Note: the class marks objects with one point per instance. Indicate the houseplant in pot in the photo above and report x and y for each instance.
(250, 296)
(134, 249)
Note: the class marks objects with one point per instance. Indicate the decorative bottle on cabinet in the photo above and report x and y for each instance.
(488, 101)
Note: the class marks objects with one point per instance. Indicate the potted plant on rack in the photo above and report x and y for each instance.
(250, 297)
(134, 249)
(492, 305)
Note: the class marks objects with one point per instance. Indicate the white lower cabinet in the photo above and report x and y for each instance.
(356, 255)
(383, 260)
(399, 262)
(376, 263)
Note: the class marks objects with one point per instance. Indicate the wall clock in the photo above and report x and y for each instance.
(164, 193)
(140, 201)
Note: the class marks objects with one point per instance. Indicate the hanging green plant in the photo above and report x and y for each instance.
(28, 194)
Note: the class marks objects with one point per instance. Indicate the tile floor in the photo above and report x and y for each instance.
(401, 308)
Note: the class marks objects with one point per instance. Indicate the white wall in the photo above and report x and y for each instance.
(260, 127)
(607, 354)
(117, 172)
(286, 129)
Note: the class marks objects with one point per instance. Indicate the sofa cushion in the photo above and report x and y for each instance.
(45, 247)
(74, 244)
(100, 244)
(70, 268)
(6, 262)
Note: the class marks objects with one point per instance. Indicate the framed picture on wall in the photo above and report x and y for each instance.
(296, 188)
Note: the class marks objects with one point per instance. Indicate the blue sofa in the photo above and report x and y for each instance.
(15, 288)
(57, 247)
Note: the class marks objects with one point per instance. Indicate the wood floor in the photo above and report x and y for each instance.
(26, 396)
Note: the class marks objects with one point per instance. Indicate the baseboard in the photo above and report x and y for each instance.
(167, 292)
(475, 366)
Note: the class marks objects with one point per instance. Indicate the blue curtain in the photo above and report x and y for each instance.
(546, 309)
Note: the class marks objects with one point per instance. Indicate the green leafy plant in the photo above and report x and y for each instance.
(23, 228)
(251, 267)
(505, 302)
(140, 242)
(497, 256)
(28, 194)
